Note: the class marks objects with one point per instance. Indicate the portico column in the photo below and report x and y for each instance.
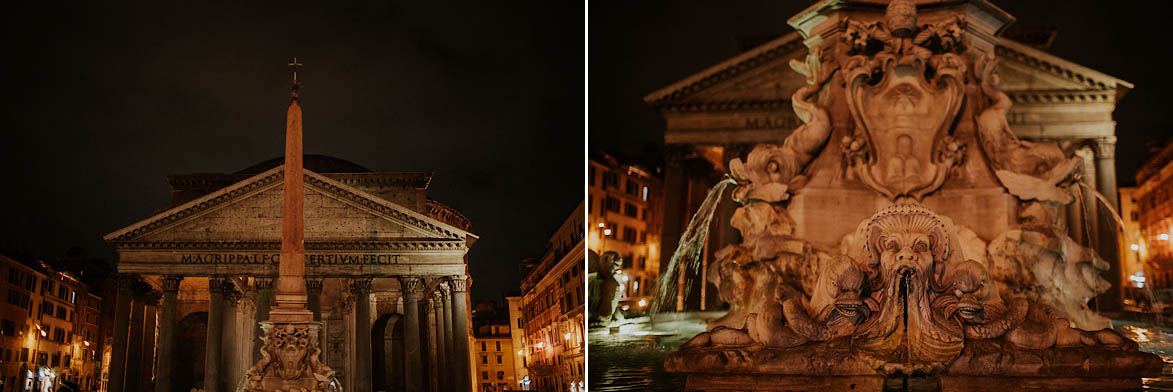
(361, 289)
(450, 339)
(264, 301)
(1108, 237)
(313, 290)
(429, 322)
(134, 346)
(441, 337)
(212, 358)
(150, 321)
(165, 364)
(412, 289)
(117, 382)
(460, 333)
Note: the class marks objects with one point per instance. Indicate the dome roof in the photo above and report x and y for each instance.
(313, 162)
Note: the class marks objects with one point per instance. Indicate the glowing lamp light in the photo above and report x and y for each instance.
(643, 302)
(520, 352)
(608, 232)
(601, 225)
(1138, 279)
(1163, 237)
(1135, 247)
(87, 342)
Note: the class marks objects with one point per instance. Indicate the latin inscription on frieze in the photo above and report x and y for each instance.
(273, 258)
(771, 122)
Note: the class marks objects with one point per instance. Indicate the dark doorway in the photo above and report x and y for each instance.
(387, 353)
(190, 338)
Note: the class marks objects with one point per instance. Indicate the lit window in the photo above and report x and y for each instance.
(645, 193)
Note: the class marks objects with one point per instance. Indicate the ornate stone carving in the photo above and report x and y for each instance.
(907, 291)
(412, 287)
(313, 285)
(171, 283)
(770, 172)
(263, 283)
(1028, 170)
(360, 286)
(903, 294)
(458, 283)
(904, 99)
(290, 360)
(604, 287)
(218, 284)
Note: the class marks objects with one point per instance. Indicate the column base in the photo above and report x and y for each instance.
(290, 360)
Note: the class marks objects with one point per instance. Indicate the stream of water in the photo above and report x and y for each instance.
(688, 251)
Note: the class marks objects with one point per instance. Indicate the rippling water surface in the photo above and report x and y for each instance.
(632, 357)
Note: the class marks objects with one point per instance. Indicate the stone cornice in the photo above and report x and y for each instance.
(446, 214)
(750, 59)
(272, 178)
(1056, 66)
(1062, 97)
(419, 180)
(254, 184)
(403, 245)
(372, 203)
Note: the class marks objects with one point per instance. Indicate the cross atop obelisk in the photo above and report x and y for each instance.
(291, 294)
(294, 65)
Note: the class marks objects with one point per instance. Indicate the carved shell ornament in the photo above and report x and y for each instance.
(905, 88)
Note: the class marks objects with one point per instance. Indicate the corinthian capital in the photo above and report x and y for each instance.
(313, 285)
(1106, 147)
(171, 283)
(412, 287)
(359, 286)
(458, 283)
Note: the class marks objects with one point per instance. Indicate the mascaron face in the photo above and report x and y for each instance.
(903, 253)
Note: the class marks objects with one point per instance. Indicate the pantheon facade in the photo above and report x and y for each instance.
(386, 273)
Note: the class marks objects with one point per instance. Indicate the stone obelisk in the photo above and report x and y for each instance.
(289, 356)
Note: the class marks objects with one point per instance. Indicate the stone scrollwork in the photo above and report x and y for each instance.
(289, 360)
(413, 287)
(360, 286)
(905, 291)
(905, 87)
(1028, 170)
(458, 283)
(903, 295)
(171, 283)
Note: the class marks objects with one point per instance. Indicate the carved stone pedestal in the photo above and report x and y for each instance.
(290, 360)
(773, 383)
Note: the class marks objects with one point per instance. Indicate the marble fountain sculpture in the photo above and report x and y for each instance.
(861, 257)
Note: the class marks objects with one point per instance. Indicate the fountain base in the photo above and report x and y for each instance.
(982, 365)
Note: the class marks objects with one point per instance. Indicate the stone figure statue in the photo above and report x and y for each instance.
(604, 287)
(908, 291)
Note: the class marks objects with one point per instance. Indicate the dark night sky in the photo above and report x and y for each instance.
(642, 46)
(104, 99)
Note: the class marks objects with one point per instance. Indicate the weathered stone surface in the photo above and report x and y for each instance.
(928, 241)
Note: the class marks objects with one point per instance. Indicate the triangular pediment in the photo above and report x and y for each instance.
(251, 210)
(763, 75)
